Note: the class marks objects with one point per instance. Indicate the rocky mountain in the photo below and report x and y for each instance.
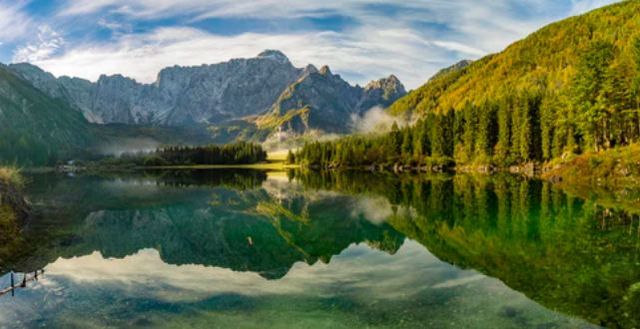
(36, 129)
(267, 87)
(320, 99)
(381, 92)
(180, 95)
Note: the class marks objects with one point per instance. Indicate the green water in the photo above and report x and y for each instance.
(250, 249)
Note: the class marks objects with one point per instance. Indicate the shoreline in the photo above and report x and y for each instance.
(607, 170)
(13, 206)
(257, 166)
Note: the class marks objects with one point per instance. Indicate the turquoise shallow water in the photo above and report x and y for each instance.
(249, 249)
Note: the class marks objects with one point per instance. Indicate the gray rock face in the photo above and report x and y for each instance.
(79, 93)
(236, 89)
(180, 96)
(267, 86)
(322, 100)
(114, 99)
(381, 92)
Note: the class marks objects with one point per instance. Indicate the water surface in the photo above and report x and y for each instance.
(250, 249)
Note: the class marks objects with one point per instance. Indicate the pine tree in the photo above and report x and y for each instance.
(407, 145)
(291, 157)
(588, 86)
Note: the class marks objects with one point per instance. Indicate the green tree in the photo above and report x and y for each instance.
(291, 157)
(588, 97)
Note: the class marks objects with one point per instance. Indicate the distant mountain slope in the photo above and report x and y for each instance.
(322, 100)
(34, 128)
(455, 67)
(571, 86)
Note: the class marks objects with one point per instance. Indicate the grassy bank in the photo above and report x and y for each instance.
(11, 175)
(13, 209)
(612, 169)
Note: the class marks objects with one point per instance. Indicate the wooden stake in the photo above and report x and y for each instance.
(13, 293)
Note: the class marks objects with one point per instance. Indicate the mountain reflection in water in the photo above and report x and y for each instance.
(329, 249)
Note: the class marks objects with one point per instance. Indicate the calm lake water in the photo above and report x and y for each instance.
(250, 249)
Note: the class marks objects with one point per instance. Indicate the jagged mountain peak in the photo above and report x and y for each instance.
(389, 82)
(393, 78)
(309, 69)
(325, 70)
(320, 100)
(389, 88)
(276, 55)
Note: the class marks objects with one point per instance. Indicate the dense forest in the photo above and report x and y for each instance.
(229, 154)
(573, 86)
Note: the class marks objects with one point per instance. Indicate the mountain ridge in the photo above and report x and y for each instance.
(180, 95)
(208, 94)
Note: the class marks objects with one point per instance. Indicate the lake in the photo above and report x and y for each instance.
(255, 249)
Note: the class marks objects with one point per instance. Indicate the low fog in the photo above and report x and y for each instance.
(375, 120)
(129, 145)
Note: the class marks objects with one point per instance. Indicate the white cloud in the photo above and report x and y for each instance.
(582, 6)
(425, 37)
(47, 43)
(455, 46)
(14, 23)
(115, 27)
(362, 54)
(209, 8)
(376, 210)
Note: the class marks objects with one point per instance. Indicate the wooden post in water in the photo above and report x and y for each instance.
(12, 286)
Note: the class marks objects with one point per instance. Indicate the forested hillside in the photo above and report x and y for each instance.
(570, 87)
(34, 128)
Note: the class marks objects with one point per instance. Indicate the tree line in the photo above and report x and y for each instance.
(599, 110)
(229, 154)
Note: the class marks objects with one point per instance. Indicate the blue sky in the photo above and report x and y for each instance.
(360, 39)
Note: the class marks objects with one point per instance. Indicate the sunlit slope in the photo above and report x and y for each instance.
(571, 86)
(545, 59)
(35, 129)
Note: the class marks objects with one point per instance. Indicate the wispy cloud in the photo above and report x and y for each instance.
(582, 6)
(47, 43)
(358, 57)
(14, 22)
(412, 39)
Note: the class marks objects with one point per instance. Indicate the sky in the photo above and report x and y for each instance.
(361, 40)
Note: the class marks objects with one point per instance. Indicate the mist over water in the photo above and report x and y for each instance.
(122, 146)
